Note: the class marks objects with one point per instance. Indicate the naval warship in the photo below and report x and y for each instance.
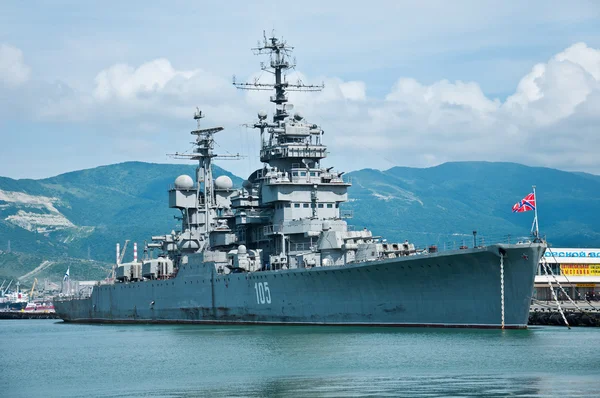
(279, 251)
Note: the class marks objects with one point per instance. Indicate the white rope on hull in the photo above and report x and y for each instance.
(502, 287)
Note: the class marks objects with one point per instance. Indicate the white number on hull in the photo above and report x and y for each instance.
(263, 294)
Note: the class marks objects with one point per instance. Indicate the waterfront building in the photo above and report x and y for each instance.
(577, 270)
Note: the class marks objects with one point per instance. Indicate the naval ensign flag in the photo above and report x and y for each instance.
(526, 204)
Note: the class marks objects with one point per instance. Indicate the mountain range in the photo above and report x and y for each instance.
(74, 219)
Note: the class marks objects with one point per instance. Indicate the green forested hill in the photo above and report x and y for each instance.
(429, 205)
(64, 218)
(105, 205)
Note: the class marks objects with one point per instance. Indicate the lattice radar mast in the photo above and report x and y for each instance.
(279, 53)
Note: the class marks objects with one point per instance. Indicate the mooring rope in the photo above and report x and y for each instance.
(502, 287)
(555, 298)
(568, 281)
(560, 286)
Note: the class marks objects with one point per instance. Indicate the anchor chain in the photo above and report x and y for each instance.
(502, 287)
(556, 299)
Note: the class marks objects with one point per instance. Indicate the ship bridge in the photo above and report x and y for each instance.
(291, 141)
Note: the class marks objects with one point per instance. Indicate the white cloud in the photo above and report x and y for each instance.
(440, 94)
(13, 70)
(355, 91)
(550, 120)
(552, 91)
(123, 81)
(152, 91)
(582, 55)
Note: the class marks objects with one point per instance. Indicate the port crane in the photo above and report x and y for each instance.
(32, 288)
(123, 251)
(7, 287)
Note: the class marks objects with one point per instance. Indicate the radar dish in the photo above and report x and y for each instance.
(184, 181)
(223, 182)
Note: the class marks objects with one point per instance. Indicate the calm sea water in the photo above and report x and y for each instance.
(49, 358)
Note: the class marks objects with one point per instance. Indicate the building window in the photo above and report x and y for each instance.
(313, 174)
(288, 205)
(320, 205)
(305, 205)
(303, 174)
(295, 174)
(296, 205)
(329, 205)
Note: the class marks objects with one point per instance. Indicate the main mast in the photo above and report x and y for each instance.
(291, 141)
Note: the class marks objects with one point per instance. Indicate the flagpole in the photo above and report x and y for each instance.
(535, 219)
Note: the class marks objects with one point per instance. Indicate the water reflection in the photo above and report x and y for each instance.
(414, 386)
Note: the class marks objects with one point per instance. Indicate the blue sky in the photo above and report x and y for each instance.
(84, 84)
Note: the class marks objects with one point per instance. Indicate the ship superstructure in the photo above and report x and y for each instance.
(287, 214)
(12, 301)
(279, 250)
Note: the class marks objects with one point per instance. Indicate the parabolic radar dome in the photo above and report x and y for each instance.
(223, 182)
(184, 182)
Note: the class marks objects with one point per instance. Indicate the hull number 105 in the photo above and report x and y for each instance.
(263, 294)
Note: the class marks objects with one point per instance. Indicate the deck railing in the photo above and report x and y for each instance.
(458, 242)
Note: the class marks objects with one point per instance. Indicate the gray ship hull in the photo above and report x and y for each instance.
(449, 289)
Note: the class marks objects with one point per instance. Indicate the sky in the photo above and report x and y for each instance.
(84, 84)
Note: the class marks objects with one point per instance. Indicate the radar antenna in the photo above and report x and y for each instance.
(205, 143)
(203, 153)
(279, 53)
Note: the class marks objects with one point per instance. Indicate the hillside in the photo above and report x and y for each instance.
(85, 212)
(430, 205)
(75, 219)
